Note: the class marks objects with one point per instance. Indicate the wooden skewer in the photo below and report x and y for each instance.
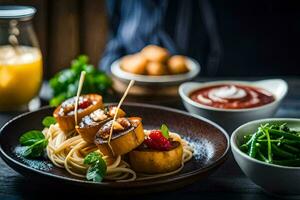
(81, 81)
(117, 110)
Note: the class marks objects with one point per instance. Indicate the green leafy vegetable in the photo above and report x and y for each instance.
(165, 131)
(65, 83)
(31, 137)
(36, 150)
(35, 143)
(97, 167)
(92, 158)
(49, 120)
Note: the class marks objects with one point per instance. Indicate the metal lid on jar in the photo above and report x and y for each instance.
(16, 12)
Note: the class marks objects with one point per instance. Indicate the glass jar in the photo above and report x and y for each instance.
(21, 67)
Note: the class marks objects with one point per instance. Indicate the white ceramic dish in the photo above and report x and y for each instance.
(232, 118)
(276, 179)
(192, 64)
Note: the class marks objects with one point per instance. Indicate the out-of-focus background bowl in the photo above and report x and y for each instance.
(192, 64)
(145, 85)
(275, 179)
(232, 118)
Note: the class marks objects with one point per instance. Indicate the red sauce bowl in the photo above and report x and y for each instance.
(229, 116)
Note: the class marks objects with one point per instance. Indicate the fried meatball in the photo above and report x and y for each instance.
(135, 63)
(155, 53)
(177, 65)
(156, 69)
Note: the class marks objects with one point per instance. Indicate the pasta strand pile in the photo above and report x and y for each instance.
(69, 150)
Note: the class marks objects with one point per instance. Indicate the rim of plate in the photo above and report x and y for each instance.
(134, 183)
(193, 65)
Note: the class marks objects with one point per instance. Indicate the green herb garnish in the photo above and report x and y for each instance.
(165, 131)
(36, 150)
(35, 143)
(65, 83)
(97, 167)
(31, 137)
(48, 121)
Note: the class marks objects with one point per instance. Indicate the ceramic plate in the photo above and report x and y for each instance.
(210, 141)
(192, 64)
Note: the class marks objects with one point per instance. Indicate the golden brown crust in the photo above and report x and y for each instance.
(67, 122)
(156, 162)
(125, 142)
(88, 132)
(135, 63)
(156, 69)
(177, 65)
(154, 61)
(112, 111)
(155, 53)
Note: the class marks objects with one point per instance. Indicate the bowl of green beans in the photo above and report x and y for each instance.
(268, 152)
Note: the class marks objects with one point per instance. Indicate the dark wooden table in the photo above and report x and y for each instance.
(227, 183)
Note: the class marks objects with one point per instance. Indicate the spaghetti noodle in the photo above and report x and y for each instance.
(69, 150)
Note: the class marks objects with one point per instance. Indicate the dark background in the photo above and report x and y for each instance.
(259, 38)
(261, 35)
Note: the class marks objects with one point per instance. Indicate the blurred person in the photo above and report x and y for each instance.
(183, 27)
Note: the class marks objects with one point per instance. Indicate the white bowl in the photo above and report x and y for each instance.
(192, 64)
(281, 180)
(232, 118)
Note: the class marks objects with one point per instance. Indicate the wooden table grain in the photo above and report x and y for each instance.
(228, 182)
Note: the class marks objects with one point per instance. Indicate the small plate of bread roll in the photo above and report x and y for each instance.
(155, 65)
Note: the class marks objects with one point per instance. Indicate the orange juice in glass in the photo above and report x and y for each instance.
(20, 75)
(20, 58)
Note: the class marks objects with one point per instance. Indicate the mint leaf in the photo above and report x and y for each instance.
(34, 142)
(165, 131)
(36, 150)
(27, 151)
(31, 137)
(97, 169)
(48, 121)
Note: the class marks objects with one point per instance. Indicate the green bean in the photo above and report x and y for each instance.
(284, 134)
(253, 148)
(262, 136)
(244, 147)
(271, 140)
(283, 141)
(291, 148)
(273, 144)
(250, 140)
(269, 146)
(290, 162)
(262, 157)
(247, 137)
(282, 153)
(261, 129)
